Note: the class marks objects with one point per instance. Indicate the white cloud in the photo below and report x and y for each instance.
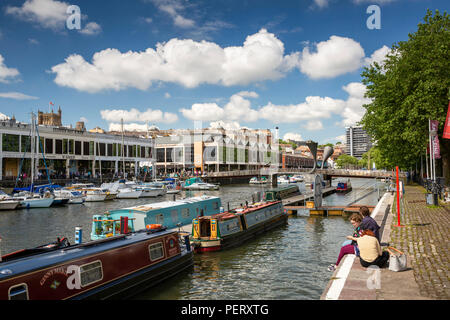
(313, 125)
(91, 28)
(167, 95)
(17, 96)
(292, 136)
(135, 115)
(4, 117)
(173, 8)
(6, 73)
(50, 14)
(354, 111)
(321, 3)
(334, 57)
(378, 56)
(47, 13)
(238, 108)
(227, 125)
(186, 62)
(373, 1)
(129, 127)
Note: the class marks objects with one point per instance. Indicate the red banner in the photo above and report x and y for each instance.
(434, 125)
(446, 134)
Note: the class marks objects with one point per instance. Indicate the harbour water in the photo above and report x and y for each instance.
(287, 263)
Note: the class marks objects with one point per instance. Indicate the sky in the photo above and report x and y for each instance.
(295, 65)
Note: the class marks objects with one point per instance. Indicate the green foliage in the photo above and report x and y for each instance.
(410, 88)
(346, 161)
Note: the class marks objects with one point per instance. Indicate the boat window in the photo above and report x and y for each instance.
(174, 214)
(159, 219)
(91, 273)
(185, 213)
(156, 251)
(215, 205)
(19, 292)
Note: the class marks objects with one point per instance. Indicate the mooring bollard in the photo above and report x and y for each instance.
(78, 235)
(188, 243)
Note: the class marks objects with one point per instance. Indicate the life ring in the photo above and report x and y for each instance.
(153, 226)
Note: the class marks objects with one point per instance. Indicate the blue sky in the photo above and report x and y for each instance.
(256, 64)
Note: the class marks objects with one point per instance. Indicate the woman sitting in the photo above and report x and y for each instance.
(350, 246)
(370, 252)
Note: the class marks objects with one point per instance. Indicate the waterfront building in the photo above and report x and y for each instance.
(358, 141)
(69, 151)
(214, 150)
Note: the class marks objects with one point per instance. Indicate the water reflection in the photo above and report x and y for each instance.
(287, 263)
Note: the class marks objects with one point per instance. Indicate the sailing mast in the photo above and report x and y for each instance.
(33, 149)
(123, 148)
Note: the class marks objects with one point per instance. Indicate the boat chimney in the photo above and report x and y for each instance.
(78, 235)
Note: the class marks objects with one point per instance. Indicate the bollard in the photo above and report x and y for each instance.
(78, 235)
(188, 243)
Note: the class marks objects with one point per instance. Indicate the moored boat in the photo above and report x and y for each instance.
(198, 184)
(282, 192)
(7, 202)
(344, 186)
(233, 227)
(171, 214)
(116, 267)
(256, 180)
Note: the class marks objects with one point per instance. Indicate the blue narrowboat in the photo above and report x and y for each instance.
(171, 214)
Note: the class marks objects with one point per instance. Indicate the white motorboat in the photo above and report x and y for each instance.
(255, 180)
(30, 200)
(94, 195)
(75, 197)
(283, 180)
(198, 184)
(7, 202)
(129, 193)
(296, 178)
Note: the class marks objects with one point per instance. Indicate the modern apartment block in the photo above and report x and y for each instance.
(358, 141)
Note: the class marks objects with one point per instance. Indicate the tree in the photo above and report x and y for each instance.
(407, 89)
(346, 161)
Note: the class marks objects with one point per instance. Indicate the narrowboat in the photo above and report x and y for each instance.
(344, 186)
(111, 268)
(171, 214)
(281, 193)
(233, 227)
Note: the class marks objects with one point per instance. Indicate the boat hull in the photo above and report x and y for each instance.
(95, 197)
(120, 267)
(237, 239)
(9, 204)
(344, 191)
(36, 203)
(129, 195)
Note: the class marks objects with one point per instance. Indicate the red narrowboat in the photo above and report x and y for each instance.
(115, 267)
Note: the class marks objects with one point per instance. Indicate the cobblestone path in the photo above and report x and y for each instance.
(425, 239)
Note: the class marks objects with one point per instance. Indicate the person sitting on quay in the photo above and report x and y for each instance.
(370, 250)
(368, 222)
(350, 246)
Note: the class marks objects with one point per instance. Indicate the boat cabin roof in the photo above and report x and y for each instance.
(166, 204)
(36, 261)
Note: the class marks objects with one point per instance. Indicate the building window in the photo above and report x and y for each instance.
(169, 154)
(110, 150)
(48, 146)
(142, 155)
(58, 146)
(160, 155)
(19, 292)
(10, 142)
(26, 143)
(71, 146)
(91, 148)
(91, 273)
(156, 251)
(78, 147)
(85, 148)
(102, 149)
